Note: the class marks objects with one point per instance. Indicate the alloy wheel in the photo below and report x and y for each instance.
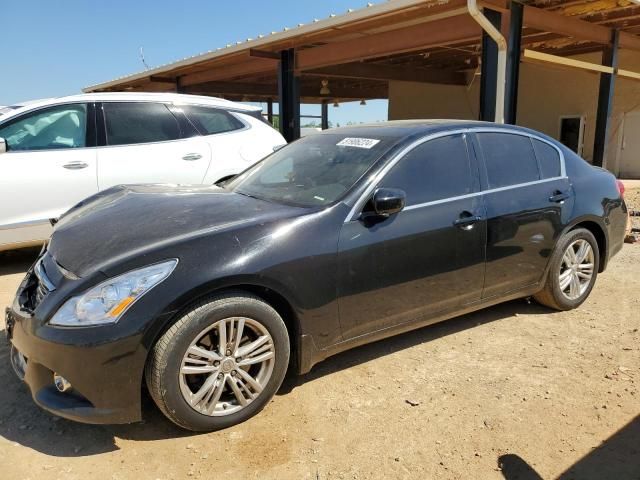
(227, 366)
(576, 269)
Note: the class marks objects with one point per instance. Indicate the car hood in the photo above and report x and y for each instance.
(131, 220)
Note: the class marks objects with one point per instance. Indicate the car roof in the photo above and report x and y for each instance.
(407, 128)
(178, 98)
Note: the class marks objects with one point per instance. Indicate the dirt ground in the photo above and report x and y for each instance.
(515, 391)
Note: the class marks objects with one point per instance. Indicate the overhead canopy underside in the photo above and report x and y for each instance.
(361, 51)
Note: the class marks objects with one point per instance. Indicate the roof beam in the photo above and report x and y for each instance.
(269, 90)
(573, 27)
(425, 35)
(254, 52)
(539, 57)
(158, 79)
(251, 67)
(628, 74)
(149, 87)
(373, 71)
(630, 41)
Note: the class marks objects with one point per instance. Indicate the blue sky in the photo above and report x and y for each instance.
(54, 48)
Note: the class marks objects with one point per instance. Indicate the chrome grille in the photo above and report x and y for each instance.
(41, 274)
(41, 285)
(41, 292)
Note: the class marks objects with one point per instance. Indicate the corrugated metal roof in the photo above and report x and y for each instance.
(333, 20)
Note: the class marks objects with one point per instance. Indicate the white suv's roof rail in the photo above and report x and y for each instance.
(177, 98)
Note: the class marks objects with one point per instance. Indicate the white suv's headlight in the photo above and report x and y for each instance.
(106, 302)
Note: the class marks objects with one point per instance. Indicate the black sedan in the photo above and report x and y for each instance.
(209, 294)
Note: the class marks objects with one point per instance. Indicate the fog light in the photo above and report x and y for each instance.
(61, 383)
(18, 362)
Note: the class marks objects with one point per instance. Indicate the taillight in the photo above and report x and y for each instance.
(620, 187)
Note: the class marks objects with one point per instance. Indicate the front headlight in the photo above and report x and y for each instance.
(106, 302)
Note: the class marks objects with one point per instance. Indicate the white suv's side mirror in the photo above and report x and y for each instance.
(3, 145)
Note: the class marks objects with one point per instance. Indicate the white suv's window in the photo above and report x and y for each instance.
(210, 121)
(62, 126)
(132, 123)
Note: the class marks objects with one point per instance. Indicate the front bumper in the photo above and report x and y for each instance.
(106, 377)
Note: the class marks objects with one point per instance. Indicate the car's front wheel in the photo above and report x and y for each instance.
(572, 272)
(220, 363)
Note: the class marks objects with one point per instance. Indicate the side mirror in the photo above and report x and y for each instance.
(387, 201)
(3, 145)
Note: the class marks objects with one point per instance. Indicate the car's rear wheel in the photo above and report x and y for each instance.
(220, 363)
(572, 272)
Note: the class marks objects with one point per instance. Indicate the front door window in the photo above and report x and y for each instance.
(62, 126)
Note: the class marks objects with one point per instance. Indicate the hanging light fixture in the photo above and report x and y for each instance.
(324, 89)
(245, 98)
(336, 104)
(363, 102)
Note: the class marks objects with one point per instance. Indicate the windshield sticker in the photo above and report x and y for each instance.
(358, 142)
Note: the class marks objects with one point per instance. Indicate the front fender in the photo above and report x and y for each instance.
(249, 283)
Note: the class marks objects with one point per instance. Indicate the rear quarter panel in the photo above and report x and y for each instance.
(598, 200)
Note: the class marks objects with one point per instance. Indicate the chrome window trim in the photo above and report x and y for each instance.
(163, 142)
(359, 204)
(478, 194)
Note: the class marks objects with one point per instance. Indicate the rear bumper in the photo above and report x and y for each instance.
(617, 230)
(106, 378)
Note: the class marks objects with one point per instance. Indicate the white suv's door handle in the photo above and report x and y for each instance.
(75, 165)
(192, 156)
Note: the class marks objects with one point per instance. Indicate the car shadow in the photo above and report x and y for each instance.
(18, 261)
(409, 339)
(618, 458)
(22, 422)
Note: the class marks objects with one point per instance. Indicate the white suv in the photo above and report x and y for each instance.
(56, 152)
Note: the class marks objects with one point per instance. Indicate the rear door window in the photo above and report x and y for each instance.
(210, 121)
(435, 170)
(548, 157)
(135, 123)
(509, 159)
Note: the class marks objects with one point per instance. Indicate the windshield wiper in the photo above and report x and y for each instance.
(246, 194)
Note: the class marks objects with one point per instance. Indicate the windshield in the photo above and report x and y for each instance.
(313, 171)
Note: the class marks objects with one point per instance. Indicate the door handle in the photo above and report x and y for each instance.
(192, 156)
(558, 196)
(75, 165)
(467, 220)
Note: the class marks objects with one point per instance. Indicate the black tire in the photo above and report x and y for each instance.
(163, 367)
(551, 295)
